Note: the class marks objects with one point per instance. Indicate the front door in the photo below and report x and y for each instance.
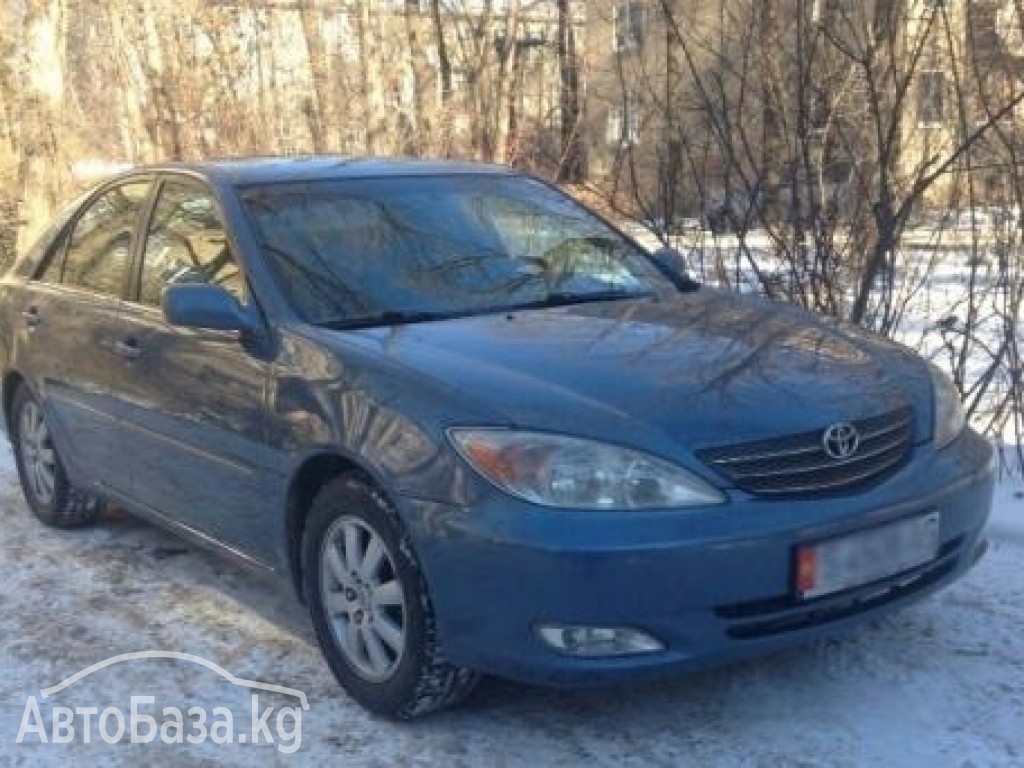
(191, 400)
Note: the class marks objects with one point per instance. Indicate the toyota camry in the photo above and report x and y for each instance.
(476, 427)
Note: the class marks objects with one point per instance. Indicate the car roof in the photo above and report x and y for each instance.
(262, 170)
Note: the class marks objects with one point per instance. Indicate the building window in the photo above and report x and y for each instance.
(628, 25)
(931, 90)
(828, 11)
(623, 124)
(1009, 27)
(413, 6)
(460, 81)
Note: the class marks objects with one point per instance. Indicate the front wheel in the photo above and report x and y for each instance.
(370, 607)
(50, 496)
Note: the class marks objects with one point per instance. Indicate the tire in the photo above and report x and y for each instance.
(53, 500)
(413, 677)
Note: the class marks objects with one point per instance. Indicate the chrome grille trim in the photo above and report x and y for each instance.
(845, 481)
(829, 464)
(797, 464)
(886, 430)
(777, 455)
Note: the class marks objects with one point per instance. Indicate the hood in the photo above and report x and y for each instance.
(700, 369)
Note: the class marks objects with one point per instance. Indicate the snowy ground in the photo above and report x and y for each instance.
(941, 684)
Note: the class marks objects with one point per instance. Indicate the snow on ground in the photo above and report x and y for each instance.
(940, 684)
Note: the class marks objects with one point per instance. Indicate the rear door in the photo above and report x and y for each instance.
(66, 343)
(191, 400)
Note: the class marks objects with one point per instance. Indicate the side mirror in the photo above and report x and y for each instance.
(672, 264)
(201, 305)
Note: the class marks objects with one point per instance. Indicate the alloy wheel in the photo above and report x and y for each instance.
(363, 599)
(38, 456)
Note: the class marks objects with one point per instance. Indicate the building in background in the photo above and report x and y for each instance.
(674, 110)
(789, 109)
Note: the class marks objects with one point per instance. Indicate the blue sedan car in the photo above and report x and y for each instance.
(475, 426)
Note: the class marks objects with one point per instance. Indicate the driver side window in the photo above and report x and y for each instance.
(186, 243)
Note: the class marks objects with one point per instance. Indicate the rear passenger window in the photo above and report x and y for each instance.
(186, 243)
(100, 248)
(45, 260)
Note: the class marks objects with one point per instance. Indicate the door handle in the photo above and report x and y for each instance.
(128, 349)
(32, 317)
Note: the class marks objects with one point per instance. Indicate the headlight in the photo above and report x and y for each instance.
(949, 412)
(574, 473)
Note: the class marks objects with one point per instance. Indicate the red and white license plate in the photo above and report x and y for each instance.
(861, 558)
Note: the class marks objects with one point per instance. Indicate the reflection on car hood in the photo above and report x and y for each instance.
(706, 368)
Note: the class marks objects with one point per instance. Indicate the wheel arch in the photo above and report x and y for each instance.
(307, 481)
(11, 382)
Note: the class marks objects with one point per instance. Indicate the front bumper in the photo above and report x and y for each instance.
(713, 584)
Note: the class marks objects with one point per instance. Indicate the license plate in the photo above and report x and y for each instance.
(860, 558)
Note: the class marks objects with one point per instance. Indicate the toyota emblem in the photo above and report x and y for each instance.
(841, 440)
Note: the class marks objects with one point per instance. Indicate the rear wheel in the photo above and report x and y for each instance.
(370, 607)
(49, 494)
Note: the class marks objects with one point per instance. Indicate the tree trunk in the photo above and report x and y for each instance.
(315, 107)
(570, 166)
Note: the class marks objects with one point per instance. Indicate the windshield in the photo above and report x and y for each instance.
(368, 251)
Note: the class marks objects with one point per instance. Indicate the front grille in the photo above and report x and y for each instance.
(797, 464)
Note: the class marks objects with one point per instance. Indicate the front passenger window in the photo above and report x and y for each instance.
(187, 243)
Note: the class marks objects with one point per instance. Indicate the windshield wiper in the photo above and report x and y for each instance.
(566, 298)
(390, 317)
(404, 317)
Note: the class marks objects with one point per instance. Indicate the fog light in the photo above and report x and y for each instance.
(598, 641)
